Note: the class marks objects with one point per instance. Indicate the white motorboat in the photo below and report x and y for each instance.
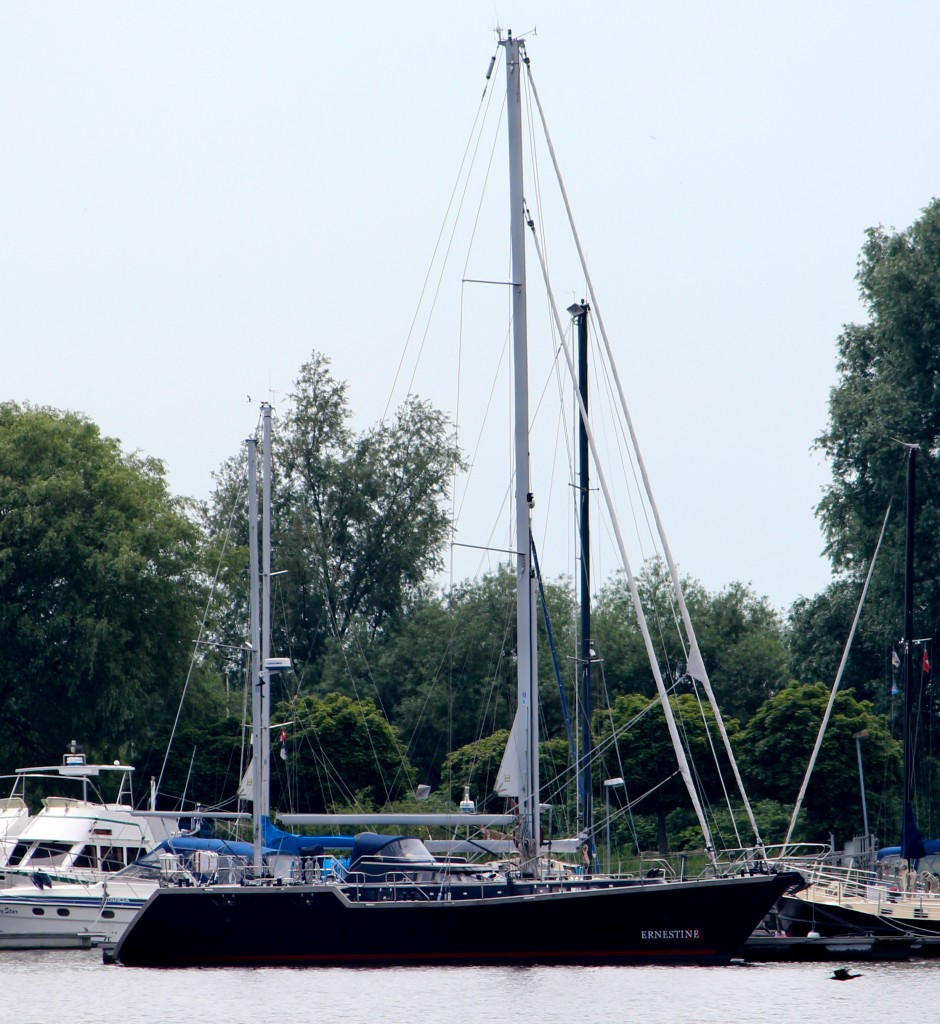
(77, 835)
(48, 914)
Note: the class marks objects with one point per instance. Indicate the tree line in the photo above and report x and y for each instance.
(115, 595)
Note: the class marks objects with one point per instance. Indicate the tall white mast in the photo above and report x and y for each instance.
(263, 800)
(255, 641)
(526, 606)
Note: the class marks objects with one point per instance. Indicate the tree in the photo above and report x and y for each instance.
(99, 587)
(636, 745)
(819, 628)
(741, 638)
(743, 643)
(445, 671)
(343, 753)
(358, 521)
(776, 746)
(477, 764)
(210, 755)
(887, 396)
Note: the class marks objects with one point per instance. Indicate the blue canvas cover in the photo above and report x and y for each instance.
(399, 848)
(278, 841)
(931, 846)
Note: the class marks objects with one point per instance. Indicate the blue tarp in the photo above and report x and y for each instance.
(190, 844)
(278, 841)
(931, 846)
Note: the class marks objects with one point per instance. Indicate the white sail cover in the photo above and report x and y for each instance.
(246, 788)
(509, 780)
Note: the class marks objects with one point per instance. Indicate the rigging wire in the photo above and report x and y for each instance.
(696, 665)
(835, 686)
(201, 633)
(482, 106)
(641, 617)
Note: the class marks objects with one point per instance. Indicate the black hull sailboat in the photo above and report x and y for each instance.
(394, 902)
(513, 922)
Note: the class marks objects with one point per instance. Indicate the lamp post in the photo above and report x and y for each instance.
(609, 784)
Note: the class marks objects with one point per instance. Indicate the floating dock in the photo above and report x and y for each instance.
(765, 948)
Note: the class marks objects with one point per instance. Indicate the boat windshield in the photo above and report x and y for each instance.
(40, 854)
(406, 848)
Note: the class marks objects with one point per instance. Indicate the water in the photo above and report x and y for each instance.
(77, 987)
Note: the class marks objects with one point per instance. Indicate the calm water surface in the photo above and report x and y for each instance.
(76, 987)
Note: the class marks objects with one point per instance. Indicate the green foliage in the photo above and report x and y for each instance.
(741, 638)
(99, 588)
(477, 764)
(357, 522)
(776, 747)
(886, 396)
(636, 746)
(343, 753)
(772, 817)
(206, 765)
(820, 628)
(445, 671)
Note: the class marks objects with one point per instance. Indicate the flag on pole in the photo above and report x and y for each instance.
(926, 661)
(895, 660)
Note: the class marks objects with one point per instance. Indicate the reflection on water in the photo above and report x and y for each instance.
(77, 987)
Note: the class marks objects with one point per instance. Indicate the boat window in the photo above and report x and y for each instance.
(146, 866)
(49, 854)
(39, 911)
(107, 914)
(408, 848)
(85, 858)
(135, 853)
(111, 858)
(19, 852)
(63, 912)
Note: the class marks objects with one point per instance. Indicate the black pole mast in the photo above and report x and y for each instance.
(912, 844)
(584, 692)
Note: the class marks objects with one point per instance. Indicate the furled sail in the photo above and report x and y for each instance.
(509, 779)
(246, 788)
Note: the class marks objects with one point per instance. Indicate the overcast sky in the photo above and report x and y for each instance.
(196, 195)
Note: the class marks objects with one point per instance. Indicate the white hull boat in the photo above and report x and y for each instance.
(49, 914)
(75, 837)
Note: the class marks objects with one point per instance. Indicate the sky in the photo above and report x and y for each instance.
(195, 196)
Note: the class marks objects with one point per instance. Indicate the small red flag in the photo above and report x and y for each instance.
(926, 661)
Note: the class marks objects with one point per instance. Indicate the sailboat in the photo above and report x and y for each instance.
(901, 893)
(394, 901)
